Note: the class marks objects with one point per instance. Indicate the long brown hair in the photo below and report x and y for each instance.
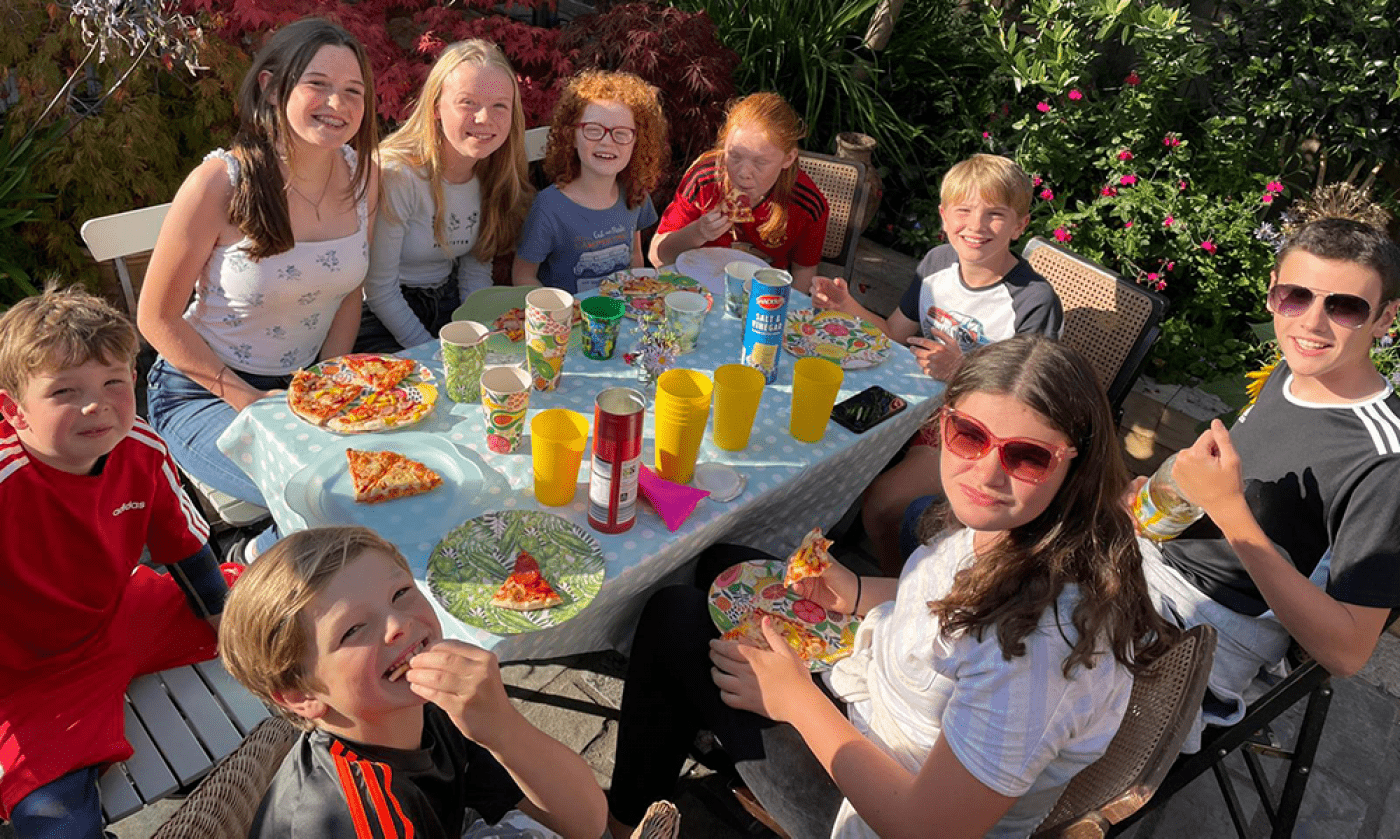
(1084, 537)
(504, 174)
(772, 115)
(649, 150)
(259, 203)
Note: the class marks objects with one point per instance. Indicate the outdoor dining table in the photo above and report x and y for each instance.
(790, 486)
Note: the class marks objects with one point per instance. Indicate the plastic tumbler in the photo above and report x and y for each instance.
(601, 318)
(738, 390)
(549, 318)
(682, 412)
(557, 438)
(815, 383)
(505, 396)
(686, 312)
(463, 357)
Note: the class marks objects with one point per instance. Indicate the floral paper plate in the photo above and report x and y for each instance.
(836, 336)
(758, 584)
(469, 565)
(644, 291)
(405, 404)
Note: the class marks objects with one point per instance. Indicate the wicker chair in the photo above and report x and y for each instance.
(1165, 701)
(842, 181)
(224, 803)
(1112, 321)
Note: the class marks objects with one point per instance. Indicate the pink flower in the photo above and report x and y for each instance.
(1167, 222)
(1181, 186)
(1036, 181)
(1171, 141)
(1075, 95)
(1108, 191)
(1273, 186)
(1127, 224)
(986, 135)
(1160, 284)
(1128, 180)
(1153, 277)
(1267, 198)
(1132, 78)
(1171, 265)
(1125, 155)
(1062, 235)
(1047, 195)
(1208, 246)
(1043, 107)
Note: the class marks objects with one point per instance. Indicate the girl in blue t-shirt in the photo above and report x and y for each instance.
(607, 145)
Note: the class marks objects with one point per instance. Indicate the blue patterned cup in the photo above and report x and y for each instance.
(601, 318)
(737, 278)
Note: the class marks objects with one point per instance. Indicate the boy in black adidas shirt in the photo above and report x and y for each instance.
(1308, 474)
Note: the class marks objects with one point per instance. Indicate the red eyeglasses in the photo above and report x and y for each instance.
(1346, 310)
(1023, 459)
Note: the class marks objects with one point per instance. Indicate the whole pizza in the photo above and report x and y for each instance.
(354, 394)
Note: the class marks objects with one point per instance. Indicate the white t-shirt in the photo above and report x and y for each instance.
(405, 251)
(1020, 727)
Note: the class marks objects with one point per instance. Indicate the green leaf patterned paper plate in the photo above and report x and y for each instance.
(469, 565)
(644, 291)
(758, 584)
(849, 341)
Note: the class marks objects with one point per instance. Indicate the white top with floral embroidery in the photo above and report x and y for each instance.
(271, 316)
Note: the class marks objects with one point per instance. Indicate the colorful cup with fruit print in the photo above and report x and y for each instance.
(505, 396)
(549, 319)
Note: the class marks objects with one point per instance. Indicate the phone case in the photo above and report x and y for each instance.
(867, 409)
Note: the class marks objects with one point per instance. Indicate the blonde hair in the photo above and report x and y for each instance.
(991, 177)
(504, 174)
(649, 150)
(263, 641)
(58, 330)
(780, 124)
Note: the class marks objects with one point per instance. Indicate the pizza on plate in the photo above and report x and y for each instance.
(379, 372)
(512, 321)
(736, 206)
(810, 559)
(526, 589)
(803, 640)
(386, 475)
(374, 412)
(317, 398)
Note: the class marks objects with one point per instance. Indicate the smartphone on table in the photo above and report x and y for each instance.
(867, 409)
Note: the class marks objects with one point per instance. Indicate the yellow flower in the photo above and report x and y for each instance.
(1257, 379)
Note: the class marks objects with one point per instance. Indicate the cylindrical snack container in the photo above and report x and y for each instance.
(765, 321)
(618, 413)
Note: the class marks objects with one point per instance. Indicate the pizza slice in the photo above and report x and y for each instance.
(736, 206)
(371, 414)
(810, 559)
(316, 398)
(526, 589)
(512, 321)
(804, 641)
(379, 372)
(397, 476)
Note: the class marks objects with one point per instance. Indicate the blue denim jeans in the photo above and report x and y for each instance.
(68, 808)
(190, 418)
(909, 525)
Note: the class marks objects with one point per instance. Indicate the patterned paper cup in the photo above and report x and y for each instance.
(505, 396)
(463, 357)
(737, 277)
(549, 318)
(686, 312)
(601, 318)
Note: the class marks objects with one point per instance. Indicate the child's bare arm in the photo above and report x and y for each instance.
(465, 681)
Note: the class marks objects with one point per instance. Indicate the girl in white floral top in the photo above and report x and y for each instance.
(269, 240)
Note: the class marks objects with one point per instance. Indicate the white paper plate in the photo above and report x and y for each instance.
(707, 265)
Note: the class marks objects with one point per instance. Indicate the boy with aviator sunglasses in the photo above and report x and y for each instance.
(1301, 536)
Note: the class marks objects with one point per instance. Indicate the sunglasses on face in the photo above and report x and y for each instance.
(1346, 310)
(593, 132)
(1023, 459)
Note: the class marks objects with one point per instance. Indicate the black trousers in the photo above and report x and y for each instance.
(669, 697)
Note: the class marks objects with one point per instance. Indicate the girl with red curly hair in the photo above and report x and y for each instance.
(605, 155)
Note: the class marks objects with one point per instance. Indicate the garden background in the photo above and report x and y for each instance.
(1166, 139)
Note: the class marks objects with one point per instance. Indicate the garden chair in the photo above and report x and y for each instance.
(125, 236)
(842, 181)
(1164, 703)
(1111, 320)
(1254, 737)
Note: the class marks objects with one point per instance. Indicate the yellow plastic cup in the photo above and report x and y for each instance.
(815, 383)
(738, 390)
(682, 412)
(557, 438)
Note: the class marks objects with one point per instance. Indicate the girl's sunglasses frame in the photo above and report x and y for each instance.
(956, 426)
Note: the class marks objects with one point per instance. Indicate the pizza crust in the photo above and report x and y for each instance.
(811, 558)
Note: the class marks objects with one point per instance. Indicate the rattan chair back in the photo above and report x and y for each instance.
(842, 181)
(1165, 701)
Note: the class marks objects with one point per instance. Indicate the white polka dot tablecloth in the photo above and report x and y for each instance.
(790, 486)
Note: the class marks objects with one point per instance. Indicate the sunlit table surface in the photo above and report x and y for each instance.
(791, 486)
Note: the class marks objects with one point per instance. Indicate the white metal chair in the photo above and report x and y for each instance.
(535, 141)
(119, 238)
(842, 181)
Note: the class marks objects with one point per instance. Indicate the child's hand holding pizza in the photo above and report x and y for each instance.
(774, 682)
(835, 589)
(465, 681)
